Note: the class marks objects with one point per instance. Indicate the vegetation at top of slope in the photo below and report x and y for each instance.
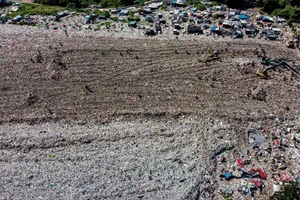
(34, 9)
(288, 9)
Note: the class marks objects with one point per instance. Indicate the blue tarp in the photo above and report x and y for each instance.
(244, 17)
(213, 28)
(227, 175)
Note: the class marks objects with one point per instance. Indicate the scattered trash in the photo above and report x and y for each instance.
(276, 188)
(226, 191)
(227, 175)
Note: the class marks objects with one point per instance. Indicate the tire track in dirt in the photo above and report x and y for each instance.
(141, 76)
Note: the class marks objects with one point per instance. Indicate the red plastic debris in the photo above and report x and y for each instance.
(262, 174)
(285, 177)
(252, 170)
(257, 183)
(277, 142)
(240, 162)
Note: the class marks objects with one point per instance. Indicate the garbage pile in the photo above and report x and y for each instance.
(272, 33)
(174, 20)
(271, 158)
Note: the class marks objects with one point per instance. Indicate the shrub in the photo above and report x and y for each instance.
(201, 7)
(163, 7)
(105, 24)
(100, 12)
(288, 191)
(114, 18)
(131, 13)
(134, 19)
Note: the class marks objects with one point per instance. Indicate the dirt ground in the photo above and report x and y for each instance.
(90, 117)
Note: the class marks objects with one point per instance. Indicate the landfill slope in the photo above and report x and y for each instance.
(84, 116)
(121, 160)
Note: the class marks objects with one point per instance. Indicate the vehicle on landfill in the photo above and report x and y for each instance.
(280, 20)
(90, 18)
(177, 26)
(158, 28)
(292, 43)
(175, 31)
(102, 17)
(149, 18)
(251, 30)
(267, 19)
(114, 11)
(237, 34)
(212, 56)
(145, 10)
(57, 16)
(227, 24)
(150, 31)
(132, 24)
(141, 27)
(17, 18)
(270, 36)
(216, 30)
(192, 28)
(121, 19)
(3, 18)
(124, 12)
(15, 8)
(62, 13)
(273, 63)
(163, 21)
